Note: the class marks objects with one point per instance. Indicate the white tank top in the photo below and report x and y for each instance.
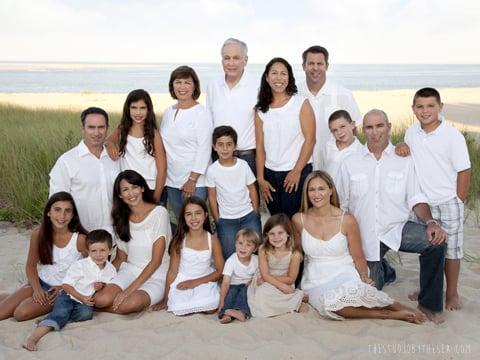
(136, 158)
(62, 259)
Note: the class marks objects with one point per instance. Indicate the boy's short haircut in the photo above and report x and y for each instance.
(427, 92)
(340, 114)
(249, 235)
(99, 236)
(224, 130)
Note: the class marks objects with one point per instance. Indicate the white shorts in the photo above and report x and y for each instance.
(154, 287)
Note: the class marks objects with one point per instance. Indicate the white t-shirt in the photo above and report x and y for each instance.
(187, 138)
(90, 182)
(84, 273)
(231, 183)
(239, 273)
(234, 107)
(331, 97)
(282, 133)
(439, 156)
(331, 157)
(142, 237)
(137, 158)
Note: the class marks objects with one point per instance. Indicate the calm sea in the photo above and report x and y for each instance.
(121, 78)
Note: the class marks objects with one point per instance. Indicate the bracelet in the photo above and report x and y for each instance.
(192, 179)
(431, 221)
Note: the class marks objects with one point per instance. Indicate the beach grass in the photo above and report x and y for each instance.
(32, 140)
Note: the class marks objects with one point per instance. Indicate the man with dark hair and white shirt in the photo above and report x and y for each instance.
(325, 95)
(88, 173)
(232, 97)
(381, 189)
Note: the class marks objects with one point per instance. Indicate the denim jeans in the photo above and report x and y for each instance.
(236, 299)
(284, 202)
(66, 310)
(432, 261)
(227, 230)
(175, 198)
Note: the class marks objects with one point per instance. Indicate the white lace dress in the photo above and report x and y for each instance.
(193, 265)
(331, 280)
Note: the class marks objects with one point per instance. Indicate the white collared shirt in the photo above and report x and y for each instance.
(380, 194)
(90, 182)
(187, 137)
(234, 107)
(84, 273)
(331, 97)
(331, 157)
(438, 156)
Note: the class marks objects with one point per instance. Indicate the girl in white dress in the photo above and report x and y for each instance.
(137, 142)
(272, 291)
(196, 263)
(57, 243)
(335, 275)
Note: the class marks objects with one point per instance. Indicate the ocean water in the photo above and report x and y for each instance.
(121, 78)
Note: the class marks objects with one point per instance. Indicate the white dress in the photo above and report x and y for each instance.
(193, 265)
(331, 280)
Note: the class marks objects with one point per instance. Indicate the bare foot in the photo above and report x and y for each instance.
(435, 317)
(39, 319)
(303, 308)
(305, 298)
(453, 302)
(236, 314)
(30, 344)
(414, 296)
(420, 317)
(226, 319)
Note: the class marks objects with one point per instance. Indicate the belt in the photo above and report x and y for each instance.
(244, 152)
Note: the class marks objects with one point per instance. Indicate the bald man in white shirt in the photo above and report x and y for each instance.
(88, 173)
(325, 96)
(380, 189)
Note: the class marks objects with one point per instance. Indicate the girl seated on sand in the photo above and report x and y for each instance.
(272, 292)
(57, 243)
(191, 284)
(335, 275)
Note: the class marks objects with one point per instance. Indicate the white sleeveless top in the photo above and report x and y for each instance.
(283, 137)
(196, 263)
(62, 259)
(136, 158)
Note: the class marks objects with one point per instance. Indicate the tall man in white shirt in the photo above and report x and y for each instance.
(325, 95)
(380, 189)
(231, 98)
(88, 173)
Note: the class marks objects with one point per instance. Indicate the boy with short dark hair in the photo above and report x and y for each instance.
(442, 163)
(232, 194)
(83, 279)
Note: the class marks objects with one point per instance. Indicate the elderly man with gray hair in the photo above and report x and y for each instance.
(231, 98)
(381, 189)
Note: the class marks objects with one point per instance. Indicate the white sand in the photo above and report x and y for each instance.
(293, 336)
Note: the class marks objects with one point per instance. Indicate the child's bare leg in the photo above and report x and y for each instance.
(452, 272)
(9, 302)
(30, 343)
(377, 313)
(236, 314)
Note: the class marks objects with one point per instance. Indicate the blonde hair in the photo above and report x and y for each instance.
(249, 235)
(283, 221)
(306, 203)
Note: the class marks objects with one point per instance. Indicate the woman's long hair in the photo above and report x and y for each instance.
(120, 211)
(182, 228)
(126, 121)
(306, 203)
(45, 232)
(265, 96)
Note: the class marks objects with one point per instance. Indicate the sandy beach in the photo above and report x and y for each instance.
(462, 105)
(151, 335)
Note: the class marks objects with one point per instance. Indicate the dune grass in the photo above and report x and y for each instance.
(32, 140)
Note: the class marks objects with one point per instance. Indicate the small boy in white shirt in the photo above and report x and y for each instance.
(232, 194)
(442, 163)
(83, 279)
(238, 272)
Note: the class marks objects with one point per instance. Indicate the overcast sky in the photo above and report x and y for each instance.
(370, 31)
